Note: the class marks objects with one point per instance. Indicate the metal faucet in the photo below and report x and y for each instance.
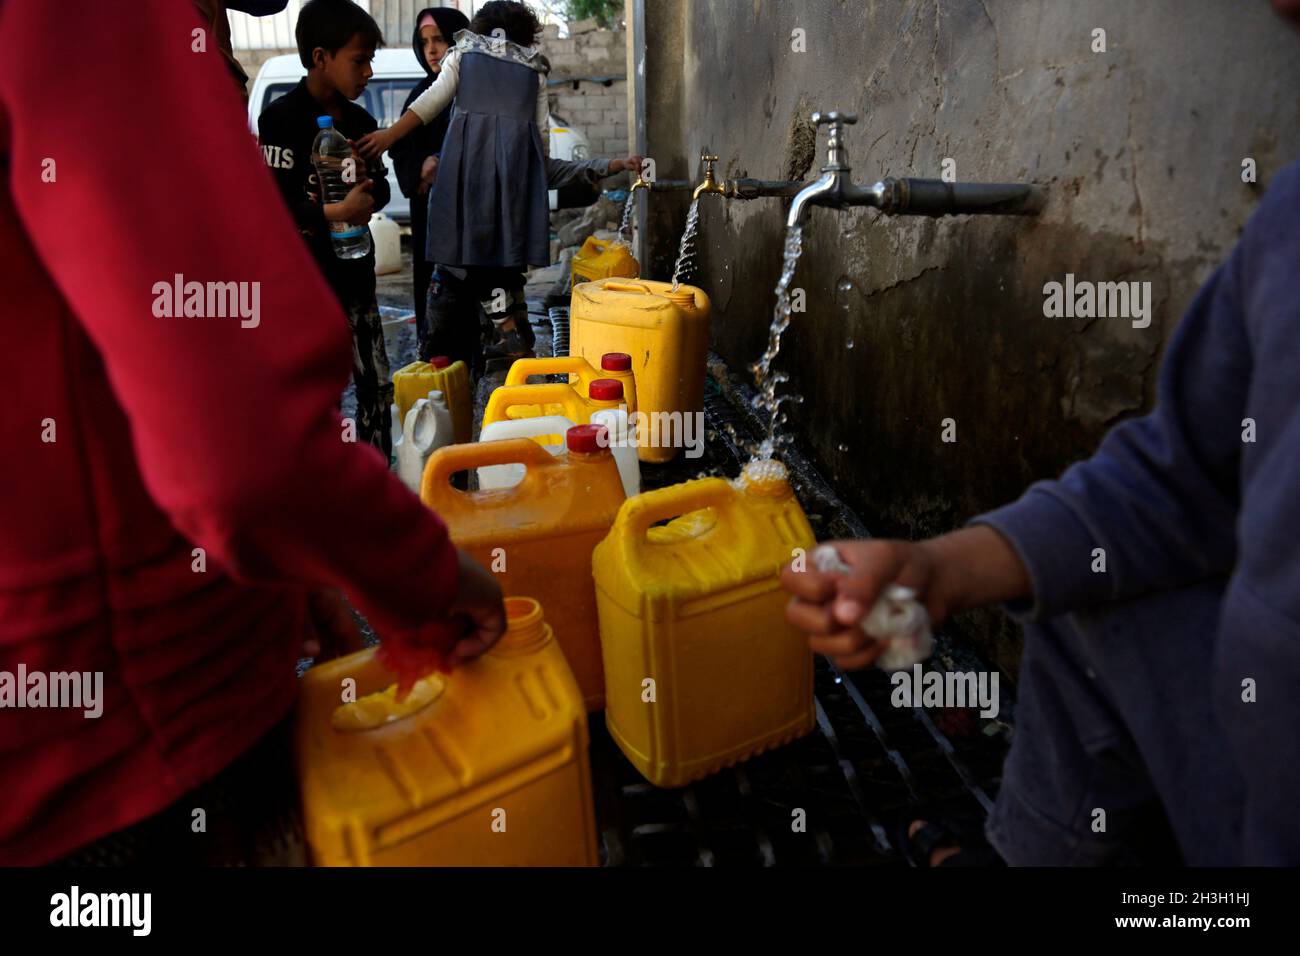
(710, 185)
(904, 197)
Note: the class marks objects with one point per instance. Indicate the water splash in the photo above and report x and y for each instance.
(765, 380)
(686, 251)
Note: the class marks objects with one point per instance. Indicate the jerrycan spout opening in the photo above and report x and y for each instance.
(526, 628)
(765, 478)
(684, 297)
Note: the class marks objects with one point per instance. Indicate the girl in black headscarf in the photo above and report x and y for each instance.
(415, 157)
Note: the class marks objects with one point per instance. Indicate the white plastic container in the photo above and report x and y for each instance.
(542, 426)
(388, 244)
(622, 442)
(428, 427)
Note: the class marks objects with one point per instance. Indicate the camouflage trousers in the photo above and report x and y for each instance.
(370, 375)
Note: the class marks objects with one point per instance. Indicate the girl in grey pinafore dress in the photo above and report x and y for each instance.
(489, 205)
(488, 209)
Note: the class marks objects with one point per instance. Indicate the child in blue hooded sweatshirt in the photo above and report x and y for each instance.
(488, 212)
(1163, 676)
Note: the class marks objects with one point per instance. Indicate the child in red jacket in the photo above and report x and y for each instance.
(174, 482)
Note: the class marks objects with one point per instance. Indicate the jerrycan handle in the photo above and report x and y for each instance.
(450, 459)
(641, 511)
(625, 285)
(504, 398)
(559, 365)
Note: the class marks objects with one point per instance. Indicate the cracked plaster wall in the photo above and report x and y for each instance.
(1141, 147)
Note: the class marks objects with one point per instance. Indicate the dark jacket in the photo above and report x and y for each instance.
(286, 130)
(1203, 489)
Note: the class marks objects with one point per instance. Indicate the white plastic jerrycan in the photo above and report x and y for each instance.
(622, 442)
(428, 427)
(388, 244)
(551, 427)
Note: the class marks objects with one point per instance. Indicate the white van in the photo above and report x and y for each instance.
(396, 72)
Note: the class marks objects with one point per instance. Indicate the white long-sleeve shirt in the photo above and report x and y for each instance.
(443, 90)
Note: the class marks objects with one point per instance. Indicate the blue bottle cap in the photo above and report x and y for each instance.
(324, 122)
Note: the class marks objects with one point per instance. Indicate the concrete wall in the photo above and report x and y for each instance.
(1141, 147)
(588, 83)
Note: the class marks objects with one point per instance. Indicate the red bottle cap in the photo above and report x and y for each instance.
(616, 362)
(586, 439)
(605, 390)
(440, 361)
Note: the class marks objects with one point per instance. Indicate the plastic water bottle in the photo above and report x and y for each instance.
(337, 173)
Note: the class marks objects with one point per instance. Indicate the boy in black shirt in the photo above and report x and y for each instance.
(336, 41)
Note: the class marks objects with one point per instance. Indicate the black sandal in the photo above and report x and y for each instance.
(973, 849)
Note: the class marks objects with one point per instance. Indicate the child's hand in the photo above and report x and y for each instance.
(478, 598)
(829, 606)
(356, 207)
(632, 163)
(373, 144)
(428, 173)
(332, 630)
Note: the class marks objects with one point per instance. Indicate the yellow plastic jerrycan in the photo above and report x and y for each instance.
(538, 535)
(615, 365)
(415, 381)
(601, 259)
(667, 335)
(697, 607)
(486, 766)
(551, 398)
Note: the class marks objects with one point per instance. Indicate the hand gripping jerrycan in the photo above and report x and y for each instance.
(667, 335)
(428, 427)
(486, 766)
(601, 259)
(416, 380)
(615, 365)
(538, 536)
(696, 606)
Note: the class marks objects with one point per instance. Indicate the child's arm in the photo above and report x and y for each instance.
(543, 116)
(423, 109)
(379, 188)
(373, 144)
(562, 172)
(227, 487)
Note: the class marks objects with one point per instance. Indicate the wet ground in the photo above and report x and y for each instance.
(869, 766)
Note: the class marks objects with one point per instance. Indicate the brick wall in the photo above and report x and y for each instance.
(597, 108)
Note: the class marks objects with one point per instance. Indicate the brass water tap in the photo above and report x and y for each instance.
(710, 185)
(641, 183)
